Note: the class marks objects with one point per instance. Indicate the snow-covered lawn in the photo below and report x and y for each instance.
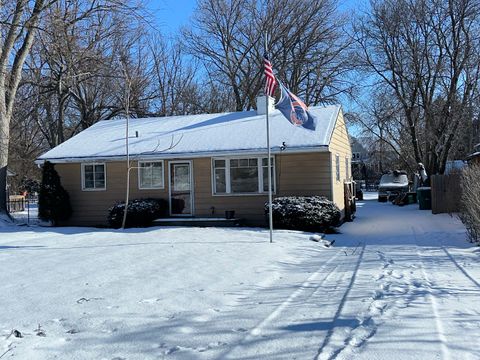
(398, 284)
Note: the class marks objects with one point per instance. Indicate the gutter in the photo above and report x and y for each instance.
(202, 154)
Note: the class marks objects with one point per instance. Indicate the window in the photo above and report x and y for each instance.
(150, 175)
(241, 175)
(220, 169)
(93, 177)
(346, 168)
(337, 167)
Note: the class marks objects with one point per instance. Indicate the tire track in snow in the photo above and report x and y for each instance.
(433, 302)
(336, 317)
(306, 285)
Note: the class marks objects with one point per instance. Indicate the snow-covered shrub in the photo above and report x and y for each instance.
(308, 213)
(141, 212)
(470, 201)
(53, 200)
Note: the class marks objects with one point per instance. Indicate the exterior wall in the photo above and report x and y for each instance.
(340, 144)
(296, 174)
(91, 207)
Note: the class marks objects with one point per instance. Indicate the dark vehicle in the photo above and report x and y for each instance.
(391, 185)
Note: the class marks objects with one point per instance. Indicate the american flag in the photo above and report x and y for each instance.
(271, 83)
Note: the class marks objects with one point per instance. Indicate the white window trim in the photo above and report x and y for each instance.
(227, 176)
(163, 174)
(83, 177)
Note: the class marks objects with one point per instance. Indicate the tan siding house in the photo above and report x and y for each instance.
(218, 163)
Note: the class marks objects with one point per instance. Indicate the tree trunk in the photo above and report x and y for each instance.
(4, 137)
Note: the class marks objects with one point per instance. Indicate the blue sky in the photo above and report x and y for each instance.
(171, 14)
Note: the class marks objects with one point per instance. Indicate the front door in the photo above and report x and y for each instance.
(181, 188)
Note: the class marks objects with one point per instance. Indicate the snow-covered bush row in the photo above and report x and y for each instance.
(141, 212)
(308, 213)
(470, 202)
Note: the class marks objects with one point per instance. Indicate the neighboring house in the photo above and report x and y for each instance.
(454, 166)
(204, 164)
(359, 153)
(474, 158)
(359, 159)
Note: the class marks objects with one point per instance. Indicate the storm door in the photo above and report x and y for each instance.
(181, 203)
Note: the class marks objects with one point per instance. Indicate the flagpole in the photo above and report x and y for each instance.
(269, 162)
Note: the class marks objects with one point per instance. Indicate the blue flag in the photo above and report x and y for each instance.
(295, 109)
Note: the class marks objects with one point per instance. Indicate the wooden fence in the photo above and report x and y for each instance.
(446, 193)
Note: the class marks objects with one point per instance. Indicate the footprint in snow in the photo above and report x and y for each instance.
(397, 276)
(210, 346)
(201, 318)
(378, 307)
(361, 335)
(149, 301)
(186, 330)
(240, 330)
(377, 295)
(385, 287)
(399, 291)
(175, 349)
(417, 283)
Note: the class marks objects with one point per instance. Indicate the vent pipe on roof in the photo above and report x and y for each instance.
(262, 107)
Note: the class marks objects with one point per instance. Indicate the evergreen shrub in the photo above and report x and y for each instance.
(307, 213)
(140, 213)
(53, 199)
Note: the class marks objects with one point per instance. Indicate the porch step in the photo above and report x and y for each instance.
(197, 221)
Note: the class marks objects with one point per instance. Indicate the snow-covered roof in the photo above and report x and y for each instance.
(474, 155)
(196, 135)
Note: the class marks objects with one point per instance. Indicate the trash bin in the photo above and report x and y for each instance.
(424, 196)
(411, 198)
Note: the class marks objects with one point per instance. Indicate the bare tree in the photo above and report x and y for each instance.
(71, 49)
(76, 62)
(307, 48)
(19, 20)
(426, 53)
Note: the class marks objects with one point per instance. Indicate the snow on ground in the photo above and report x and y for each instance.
(400, 283)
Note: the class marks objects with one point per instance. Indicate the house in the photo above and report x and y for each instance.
(474, 158)
(203, 164)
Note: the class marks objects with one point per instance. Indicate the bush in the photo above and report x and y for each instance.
(140, 213)
(53, 199)
(312, 213)
(470, 202)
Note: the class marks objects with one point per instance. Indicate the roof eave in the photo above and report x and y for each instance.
(276, 150)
